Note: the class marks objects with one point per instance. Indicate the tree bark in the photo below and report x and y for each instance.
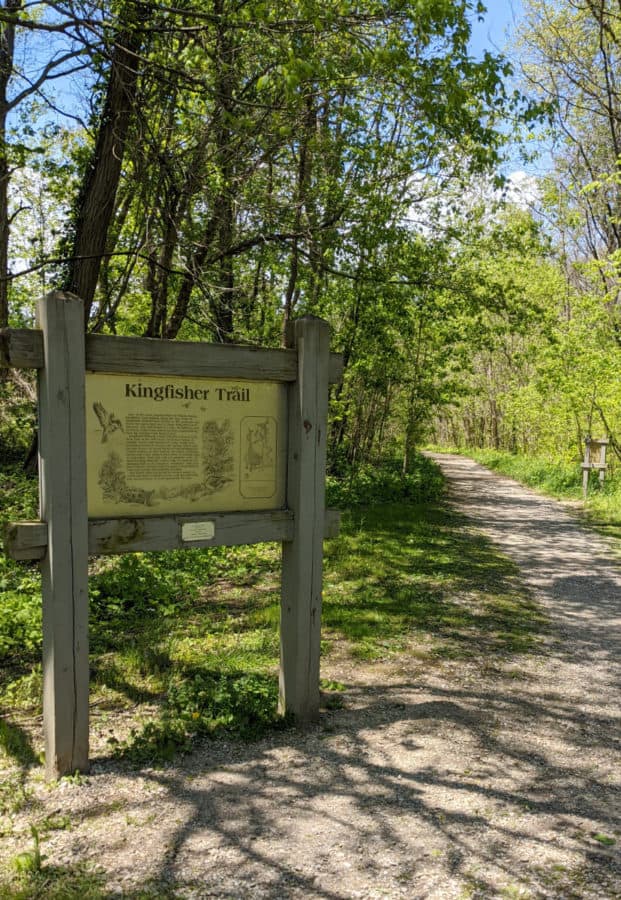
(7, 50)
(96, 201)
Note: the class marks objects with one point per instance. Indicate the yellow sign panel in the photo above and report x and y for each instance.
(160, 445)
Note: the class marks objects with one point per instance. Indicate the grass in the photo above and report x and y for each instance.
(401, 577)
(404, 576)
(187, 642)
(557, 478)
(73, 882)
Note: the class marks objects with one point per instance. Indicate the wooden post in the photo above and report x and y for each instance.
(302, 558)
(586, 466)
(62, 473)
(602, 461)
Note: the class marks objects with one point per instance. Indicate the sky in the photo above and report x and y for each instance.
(492, 33)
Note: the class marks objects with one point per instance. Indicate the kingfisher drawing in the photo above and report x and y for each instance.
(108, 421)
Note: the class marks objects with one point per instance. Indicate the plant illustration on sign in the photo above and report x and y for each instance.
(259, 443)
(259, 446)
(218, 463)
(113, 483)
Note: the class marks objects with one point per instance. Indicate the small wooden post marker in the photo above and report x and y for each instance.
(594, 458)
(302, 557)
(62, 469)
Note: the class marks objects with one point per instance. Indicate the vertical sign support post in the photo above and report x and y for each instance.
(302, 557)
(62, 467)
(594, 458)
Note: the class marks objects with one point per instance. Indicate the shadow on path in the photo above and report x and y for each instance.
(408, 789)
(574, 571)
(453, 782)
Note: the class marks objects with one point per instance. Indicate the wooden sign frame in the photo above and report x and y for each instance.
(64, 537)
(594, 458)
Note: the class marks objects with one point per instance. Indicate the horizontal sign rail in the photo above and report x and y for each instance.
(28, 540)
(22, 348)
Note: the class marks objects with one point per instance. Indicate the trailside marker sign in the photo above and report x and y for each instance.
(175, 444)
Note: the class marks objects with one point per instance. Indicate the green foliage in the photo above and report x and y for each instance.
(201, 703)
(20, 585)
(17, 416)
(23, 689)
(19, 494)
(130, 589)
(605, 840)
(194, 634)
(29, 861)
(316, 126)
(212, 700)
(603, 506)
(385, 482)
(136, 586)
(73, 882)
(20, 612)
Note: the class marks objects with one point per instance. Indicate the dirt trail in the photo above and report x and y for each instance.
(441, 783)
(568, 567)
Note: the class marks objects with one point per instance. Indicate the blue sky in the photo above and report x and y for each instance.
(491, 34)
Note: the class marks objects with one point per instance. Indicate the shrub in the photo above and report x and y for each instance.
(385, 482)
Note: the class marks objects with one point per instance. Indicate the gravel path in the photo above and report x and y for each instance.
(571, 569)
(444, 782)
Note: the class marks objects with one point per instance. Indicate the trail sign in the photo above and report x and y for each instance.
(156, 445)
(594, 458)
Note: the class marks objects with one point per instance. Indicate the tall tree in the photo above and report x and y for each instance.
(572, 55)
(262, 141)
(95, 205)
(17, 88)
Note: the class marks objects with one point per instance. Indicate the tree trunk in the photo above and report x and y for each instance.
(224, 298)
(96, 201)
(7, 50)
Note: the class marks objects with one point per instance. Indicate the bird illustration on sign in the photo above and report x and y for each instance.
(108, 421)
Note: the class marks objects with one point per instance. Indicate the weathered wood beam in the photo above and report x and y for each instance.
(302, 557)
(167, 532)
(64, 568)
(25, 540)
(28, 540)
(150, 356)
(22, 348)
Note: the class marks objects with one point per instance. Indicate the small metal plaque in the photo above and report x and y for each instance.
(198, 531)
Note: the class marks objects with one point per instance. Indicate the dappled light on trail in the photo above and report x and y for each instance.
(573, 569)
